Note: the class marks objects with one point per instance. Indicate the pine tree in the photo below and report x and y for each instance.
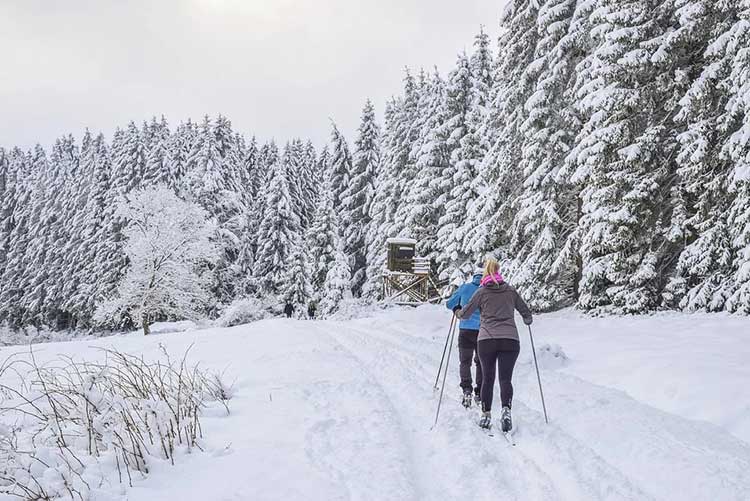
(17, 211)
(340, 165)
(179, 147)
(214, 182)
(321, 240)
(489, 216)
(700, 199)
(623, 155)
(425, 200)
(157, 169)
(296, 290)
(277, 233)
(358, 195)
(381, 213)
(337, 286)
(399, 139)
(737, 150)
(456, 179)
(540, 269)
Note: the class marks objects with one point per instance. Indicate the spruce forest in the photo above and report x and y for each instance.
(598, 148)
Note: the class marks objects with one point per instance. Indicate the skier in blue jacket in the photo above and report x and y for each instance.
(467, 338)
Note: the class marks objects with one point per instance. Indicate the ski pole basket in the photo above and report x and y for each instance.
(408, 278)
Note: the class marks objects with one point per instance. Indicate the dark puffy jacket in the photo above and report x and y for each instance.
(497, 304)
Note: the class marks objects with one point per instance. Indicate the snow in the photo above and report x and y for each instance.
(401, 241)
(640, 408)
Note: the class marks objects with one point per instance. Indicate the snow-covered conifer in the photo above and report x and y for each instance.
(358, 195)
(277, 234)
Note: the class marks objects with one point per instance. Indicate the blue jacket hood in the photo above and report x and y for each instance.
(461, 297)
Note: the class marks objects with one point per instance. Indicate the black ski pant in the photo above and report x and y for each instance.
(467, 350)
(502, 353)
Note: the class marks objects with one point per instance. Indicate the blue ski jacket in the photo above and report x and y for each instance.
(461, 298)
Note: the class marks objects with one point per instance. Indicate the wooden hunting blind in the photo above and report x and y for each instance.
(407, 278)
(401, 254)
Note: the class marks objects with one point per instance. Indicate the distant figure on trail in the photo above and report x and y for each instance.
(498, 341)
(467, 337)
(288, 310)
(311, 309)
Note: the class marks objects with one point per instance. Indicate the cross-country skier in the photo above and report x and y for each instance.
(467, 337)
(288, 310)
(498, 342)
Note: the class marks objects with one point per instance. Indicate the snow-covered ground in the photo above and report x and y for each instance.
(641, 408)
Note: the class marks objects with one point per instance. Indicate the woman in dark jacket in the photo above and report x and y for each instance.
(498, 343)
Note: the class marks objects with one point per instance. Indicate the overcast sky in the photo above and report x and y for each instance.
(276, 68)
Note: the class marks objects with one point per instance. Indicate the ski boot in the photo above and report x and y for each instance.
(477, 400)
(466, 402)
(505, 419)
(486, 420)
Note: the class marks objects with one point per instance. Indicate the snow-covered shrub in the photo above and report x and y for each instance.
(245, 310)
(68, 428)
(349, 309)
(551, 356)
(33, 335)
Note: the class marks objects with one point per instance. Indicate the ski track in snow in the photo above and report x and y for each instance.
(601, 444)
(526, 468)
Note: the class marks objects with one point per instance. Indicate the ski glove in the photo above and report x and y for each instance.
(456, 309)
(528, 322)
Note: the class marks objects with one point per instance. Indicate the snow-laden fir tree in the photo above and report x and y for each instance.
(156, 169)
(381, 215)
(626, 158)
(170, 252)
(488, 217)
(700, 201)
(214, 182)
(546, 209)
(457, 177)
(357, 197)
(65, 165)
(425, 200)
(18, 214)
(337, 285)
(398, 138)
(340, 164)
(277, 234)
(737, 150)
(296, 278)
(179, 146)
(321, 240)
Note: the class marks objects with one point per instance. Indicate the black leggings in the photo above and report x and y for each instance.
(504, 353)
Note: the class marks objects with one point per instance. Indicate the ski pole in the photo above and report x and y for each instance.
(453, 319)
(445, 373)
(538, 378)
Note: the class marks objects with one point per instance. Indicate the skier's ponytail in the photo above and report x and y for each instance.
(491, 268)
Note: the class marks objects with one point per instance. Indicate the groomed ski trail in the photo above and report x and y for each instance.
(457, 442)
(601, 443)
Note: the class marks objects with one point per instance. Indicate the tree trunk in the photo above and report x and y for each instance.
(144, 324)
